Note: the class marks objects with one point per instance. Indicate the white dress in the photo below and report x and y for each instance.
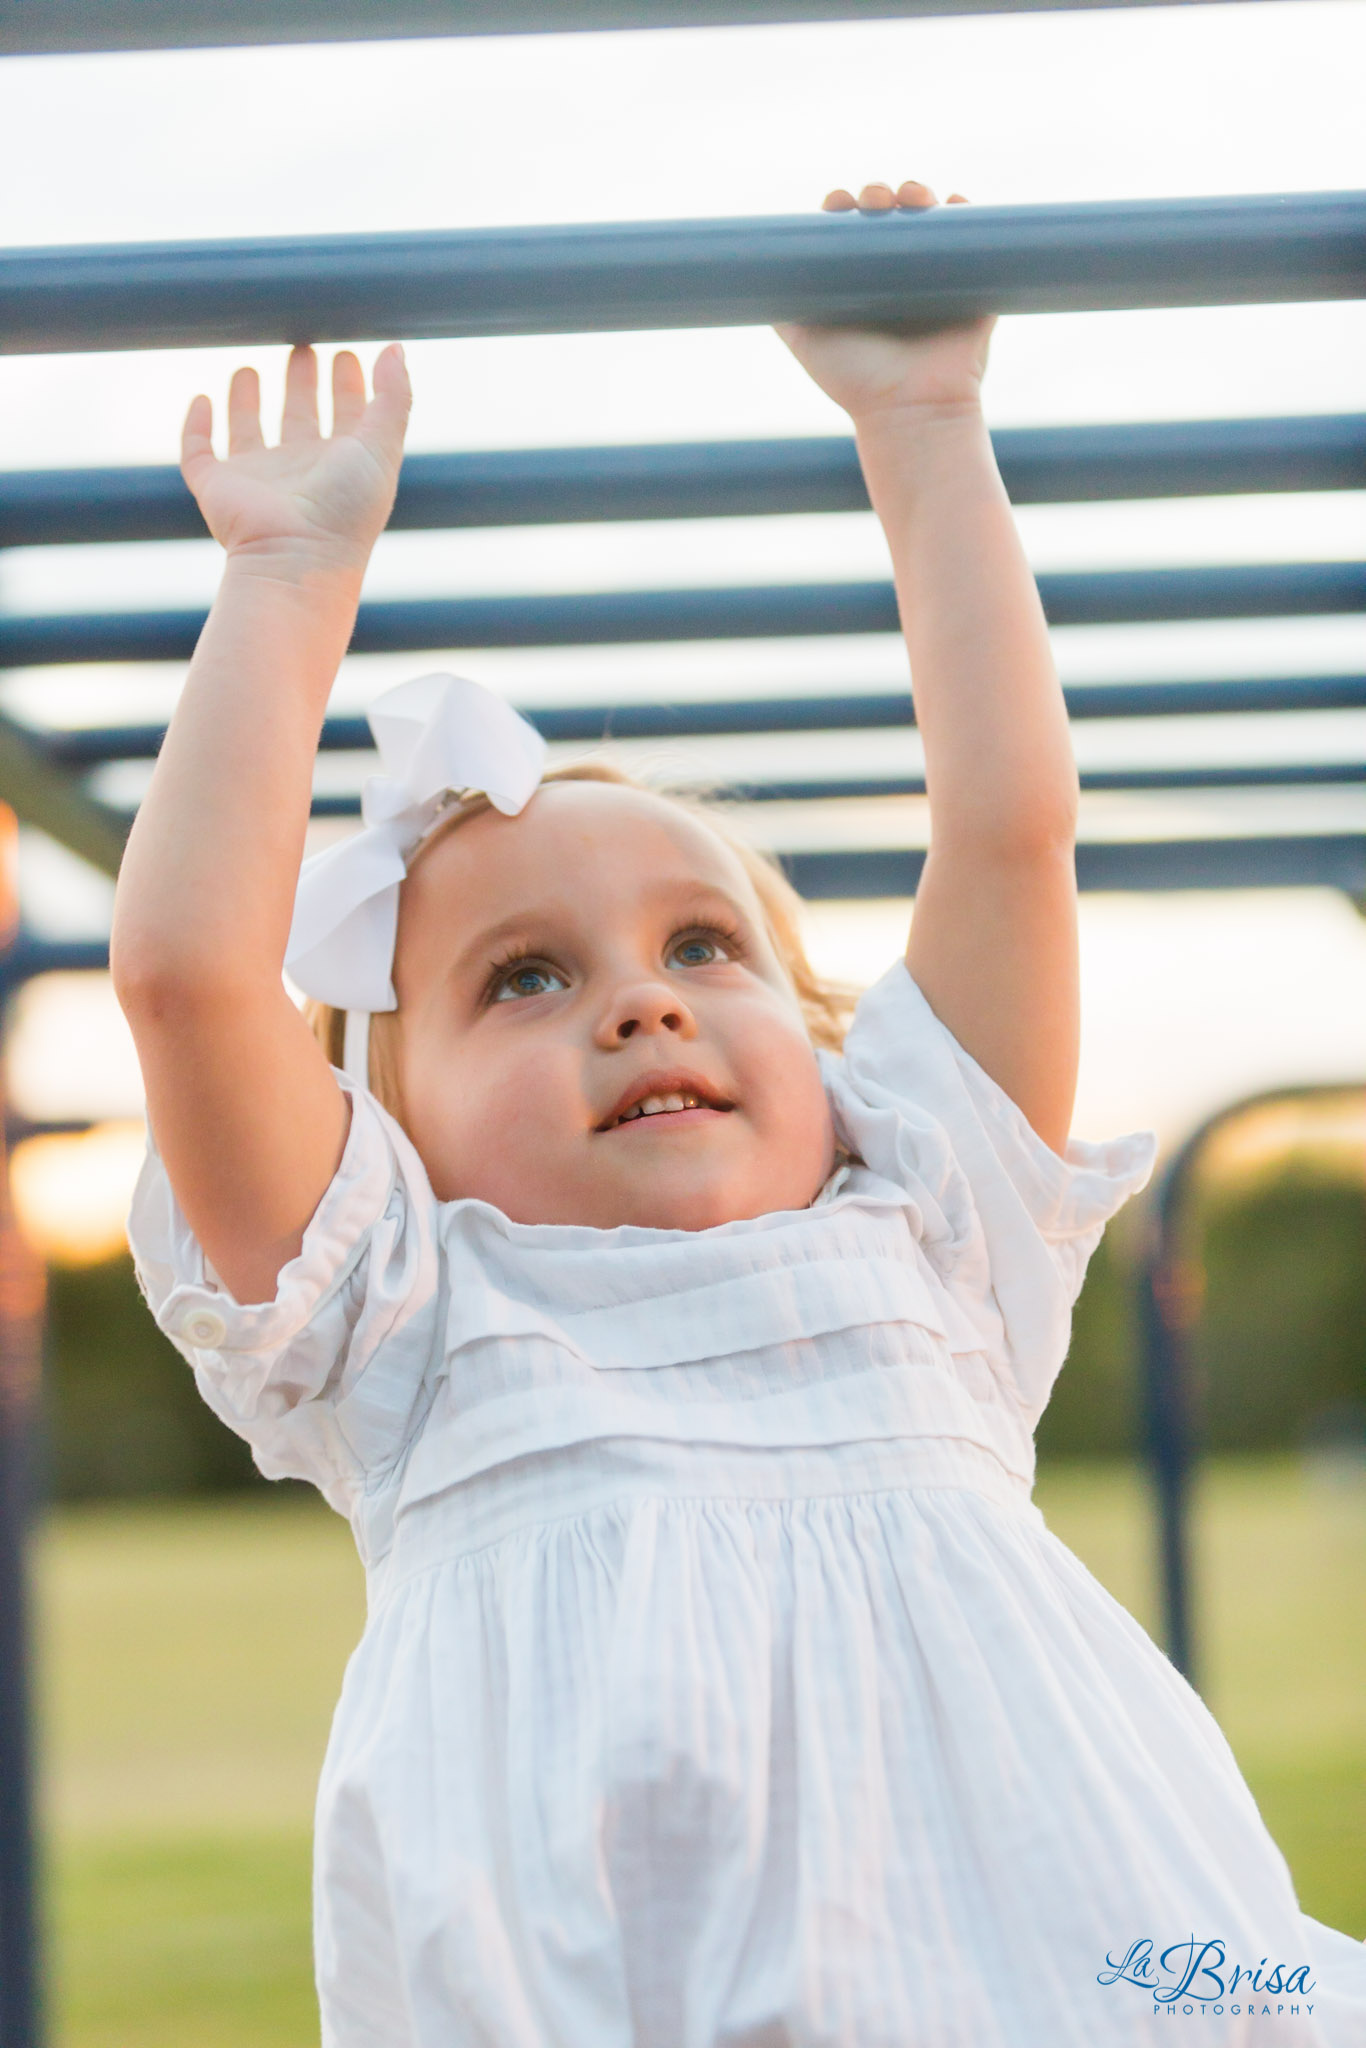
(722, 1686)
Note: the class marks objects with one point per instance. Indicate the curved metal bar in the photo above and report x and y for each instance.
(728, 479)
(1170, 1287)
(947, 264)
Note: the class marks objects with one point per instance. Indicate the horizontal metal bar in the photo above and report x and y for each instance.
(18, 1128)
(34, 27)
(899, 268)
(1335, 861)
(837, 788)
(728, 479)
(783, 610)
(31, 955)
(1332, 860)
(833, 788)
(89, 745)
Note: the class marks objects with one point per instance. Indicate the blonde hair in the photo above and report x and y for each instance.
(826, 1006)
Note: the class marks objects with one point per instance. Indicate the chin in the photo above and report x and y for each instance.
(704, 1208)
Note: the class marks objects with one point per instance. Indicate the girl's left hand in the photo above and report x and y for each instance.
(871, 370)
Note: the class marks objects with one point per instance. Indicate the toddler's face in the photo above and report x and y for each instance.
(595, 1027)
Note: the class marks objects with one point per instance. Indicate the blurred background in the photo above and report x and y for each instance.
(193, 1622)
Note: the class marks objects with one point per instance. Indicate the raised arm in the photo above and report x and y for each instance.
(993, 942)
(246, 1114)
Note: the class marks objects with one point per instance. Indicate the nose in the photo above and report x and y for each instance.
(645, 1007)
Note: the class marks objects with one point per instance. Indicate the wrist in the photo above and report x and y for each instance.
(911, 454)
(928, 418)
(307, 567)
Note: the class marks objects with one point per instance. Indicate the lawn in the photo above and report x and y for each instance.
(191, 1655)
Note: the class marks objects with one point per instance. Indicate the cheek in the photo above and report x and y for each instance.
(507, 1094)
(783, 1082)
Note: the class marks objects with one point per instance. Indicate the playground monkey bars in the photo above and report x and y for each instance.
(895, 268)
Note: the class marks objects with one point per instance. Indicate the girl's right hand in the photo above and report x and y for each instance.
(313, 501)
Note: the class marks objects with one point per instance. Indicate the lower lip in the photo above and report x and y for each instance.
(671, 1119)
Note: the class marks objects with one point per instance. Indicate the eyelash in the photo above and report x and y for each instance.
(521, 956)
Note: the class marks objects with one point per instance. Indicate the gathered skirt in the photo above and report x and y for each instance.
(885, 1767)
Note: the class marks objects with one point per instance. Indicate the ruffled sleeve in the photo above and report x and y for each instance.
(328, 1380)
(1007, 1224)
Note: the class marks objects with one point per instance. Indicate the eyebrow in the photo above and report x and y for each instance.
(679, 890)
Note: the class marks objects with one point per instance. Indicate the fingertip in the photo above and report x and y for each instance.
(391, 368)
(958, 199)
(196, 434)
(839, 201)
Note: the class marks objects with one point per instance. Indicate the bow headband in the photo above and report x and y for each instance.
(438, 738)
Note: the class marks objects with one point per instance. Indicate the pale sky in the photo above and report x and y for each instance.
(1190, 999)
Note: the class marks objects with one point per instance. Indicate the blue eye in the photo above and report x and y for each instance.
(528, 978)
(697, 951)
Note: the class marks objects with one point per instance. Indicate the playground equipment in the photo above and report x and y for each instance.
(1171, 1289)
(540, 280)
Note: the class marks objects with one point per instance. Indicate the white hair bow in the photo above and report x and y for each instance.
(438, 737)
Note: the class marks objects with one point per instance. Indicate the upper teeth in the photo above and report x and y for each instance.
(654, 1105)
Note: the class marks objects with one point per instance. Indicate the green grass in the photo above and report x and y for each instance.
(191, 1656)
(183, 1941)
(1280, 1628)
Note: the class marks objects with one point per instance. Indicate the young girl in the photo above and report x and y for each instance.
(721, 1683)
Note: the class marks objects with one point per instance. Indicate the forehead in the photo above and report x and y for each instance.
(574, 843)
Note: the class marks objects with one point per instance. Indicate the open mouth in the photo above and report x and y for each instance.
(663, 1105)
(680, 1103)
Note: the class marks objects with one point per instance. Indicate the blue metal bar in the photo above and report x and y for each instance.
(1321, 861)
(1334, 861)
(1278, 775)
(21, 1306)
(29, 27)
(87, 745)
(783, 610)
(32, 955)
(728, 479)
(944, 264)
(19, 2020)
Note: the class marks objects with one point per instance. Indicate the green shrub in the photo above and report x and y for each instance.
(121, 1413)
(1278, 1354)
(1279, 1351)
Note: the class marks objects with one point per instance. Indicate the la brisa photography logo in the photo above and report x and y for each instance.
(1194, 1976)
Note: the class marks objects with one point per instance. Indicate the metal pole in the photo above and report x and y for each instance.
(897, 269)
(47, 26)
(1166, 1294)
(1099, 597)
(21, 1308)
(1171, 1296)
(728, 479)
(85, 746)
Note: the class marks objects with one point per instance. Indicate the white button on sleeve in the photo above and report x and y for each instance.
(204, 1328)
(327, 1377)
